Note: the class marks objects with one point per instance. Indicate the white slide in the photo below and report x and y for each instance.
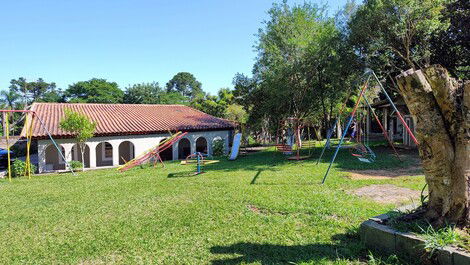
(235, 146)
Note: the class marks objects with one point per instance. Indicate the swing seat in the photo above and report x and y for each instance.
(365, 160)
(363, 153)
(284, 148)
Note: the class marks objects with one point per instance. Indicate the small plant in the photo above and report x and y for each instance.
(218, 147)
(437, 239)
(76, 165)
(18, 150)
(18, 169)
(423, 197)
(393, 259)
(81, 126)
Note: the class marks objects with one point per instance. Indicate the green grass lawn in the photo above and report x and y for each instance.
(259, 209)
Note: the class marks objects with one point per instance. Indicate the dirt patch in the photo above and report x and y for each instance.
(385, 174)
(388, 193)
(263, 211)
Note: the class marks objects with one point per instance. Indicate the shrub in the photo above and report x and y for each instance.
(18, 169)
(76, 165)
(218, 147)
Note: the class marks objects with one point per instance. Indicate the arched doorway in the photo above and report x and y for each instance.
(201, 145)
(184, 148)
(126, 152)
(218, 146)
(104, 154)
(77, 155)
(167, 154)
(54, 160)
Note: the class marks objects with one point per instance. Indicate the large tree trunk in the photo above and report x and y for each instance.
(441, 106)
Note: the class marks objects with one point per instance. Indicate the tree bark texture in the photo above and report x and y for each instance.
(441, 106)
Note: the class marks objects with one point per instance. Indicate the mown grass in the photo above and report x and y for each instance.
(259, 209)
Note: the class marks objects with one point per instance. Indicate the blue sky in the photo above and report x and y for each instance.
(130, 41)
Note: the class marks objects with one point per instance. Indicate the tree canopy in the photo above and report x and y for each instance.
(94, 91)
(396, 34)
(303, 68)
(38, 90)
(186, 84)
(451, 47)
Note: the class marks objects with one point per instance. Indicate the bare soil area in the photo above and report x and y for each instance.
(388, 193)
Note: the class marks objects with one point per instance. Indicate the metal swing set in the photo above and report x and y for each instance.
(362, 150)
(26, 135)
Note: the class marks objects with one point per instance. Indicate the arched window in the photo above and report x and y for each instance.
(77, 155)
(184, 148)
(126, 152)
(167, 154)
(201, 145)
(54, 160)
(104, 154)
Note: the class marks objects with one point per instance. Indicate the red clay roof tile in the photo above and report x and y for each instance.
(125, 119)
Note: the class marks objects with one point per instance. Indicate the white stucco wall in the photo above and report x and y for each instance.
(141, 143)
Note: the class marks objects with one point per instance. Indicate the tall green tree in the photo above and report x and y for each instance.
(244, 88)
(186, 84)
(145, 93)
(38, 90)
(9, 98)
(399, 31)
(173, 98)
(94, 91)
(451, 47)
(237, 113)
(303, 67)
(80, 126)
(151, 93)
(211, 105)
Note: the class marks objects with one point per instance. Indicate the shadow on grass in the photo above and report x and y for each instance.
(269, 159)
(385, 159)
(183, 174)
(253, 181)
(347, 246)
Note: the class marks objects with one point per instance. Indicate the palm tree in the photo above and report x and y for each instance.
(9, 98)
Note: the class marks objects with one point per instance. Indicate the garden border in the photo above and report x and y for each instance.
(387, 240)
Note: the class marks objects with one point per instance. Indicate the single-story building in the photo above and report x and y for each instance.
(391, 121)
(124, 131)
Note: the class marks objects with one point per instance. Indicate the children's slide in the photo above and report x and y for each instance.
(235, 146)
(154, 152)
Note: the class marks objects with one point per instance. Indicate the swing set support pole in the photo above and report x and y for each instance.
(395, 108)
(7, 125)
(198, 164)
(353, 113)
(330, 133)
(327, 143)
(383, 129)
(55, 144)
